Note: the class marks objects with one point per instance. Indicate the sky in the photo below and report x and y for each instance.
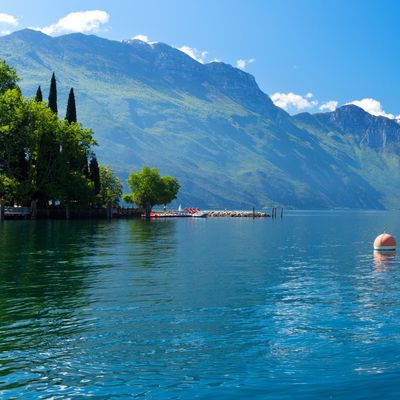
(308, 55)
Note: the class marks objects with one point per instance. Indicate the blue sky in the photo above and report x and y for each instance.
(308, 55)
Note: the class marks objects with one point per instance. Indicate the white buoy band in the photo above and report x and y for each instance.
(385, 248)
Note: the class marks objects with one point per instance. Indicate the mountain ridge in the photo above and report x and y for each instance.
(209, 125)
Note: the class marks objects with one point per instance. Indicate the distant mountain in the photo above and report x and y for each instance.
(211, 126)
(379, 133)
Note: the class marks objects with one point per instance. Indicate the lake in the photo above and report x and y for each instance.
(298, 308)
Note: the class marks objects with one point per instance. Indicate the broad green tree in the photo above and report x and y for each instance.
(8, 77)
(110, 186)
(8, 188)
(149, 189)
(7, 192)
(38, 151)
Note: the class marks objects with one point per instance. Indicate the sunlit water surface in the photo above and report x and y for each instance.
(298, 308)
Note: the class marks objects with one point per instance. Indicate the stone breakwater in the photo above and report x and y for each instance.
(238, 214)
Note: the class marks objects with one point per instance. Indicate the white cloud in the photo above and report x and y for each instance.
(242, 64)
(8, 19)
(81, 21)
(197, 55)
(143, 38)
(292, 100)
(330, 105)
(373, 107)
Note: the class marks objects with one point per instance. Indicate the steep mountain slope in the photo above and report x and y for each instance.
(208, 125)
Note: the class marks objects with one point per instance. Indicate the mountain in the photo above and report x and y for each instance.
(379, 133)
(211, 126)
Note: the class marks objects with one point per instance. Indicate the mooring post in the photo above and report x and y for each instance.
(254, 212)
(281, 212)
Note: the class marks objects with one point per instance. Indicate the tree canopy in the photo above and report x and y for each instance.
(37, 151)
(39, 95)
(110, 186)
(52, 103)
(70, 115)
(8, 77)
(149, 189)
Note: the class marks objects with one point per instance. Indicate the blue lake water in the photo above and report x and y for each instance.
(298, 308)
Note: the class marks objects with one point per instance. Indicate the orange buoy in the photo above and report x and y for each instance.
(385, 242)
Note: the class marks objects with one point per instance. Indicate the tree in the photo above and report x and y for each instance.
(52, 104)
(39, 95)
(94, 173)
(7, 192)
(8, 77)
(72, 183)
(70, 116)
(110, 186)
(14, 135)
(149, 189)
(80, 163)
(37, 151)
(7, 189)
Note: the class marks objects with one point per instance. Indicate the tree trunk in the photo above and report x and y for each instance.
(67, 213)
(109, 210)
(148, 211)
(33, 209)
(2, 209)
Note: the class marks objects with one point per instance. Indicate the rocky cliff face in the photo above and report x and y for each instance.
(377, 132)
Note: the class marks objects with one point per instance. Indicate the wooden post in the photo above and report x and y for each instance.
(67, 213)
(281, 212)
(254, 212)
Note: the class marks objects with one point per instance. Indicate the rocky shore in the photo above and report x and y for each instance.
(238, 214)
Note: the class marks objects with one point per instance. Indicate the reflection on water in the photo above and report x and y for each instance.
(291, 309)
(383, 260)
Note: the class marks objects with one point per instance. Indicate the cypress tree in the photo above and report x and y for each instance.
(39, 95)
(52, 104)
(70, 116)
(95, 174)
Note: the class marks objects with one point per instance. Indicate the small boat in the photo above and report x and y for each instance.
(196, 213)
(186, 213)
(169, 214)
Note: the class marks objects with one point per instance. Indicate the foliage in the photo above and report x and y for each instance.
(8, 77)
(39, 95)
(37, 153)
(70, 115)
(110, 186)
(94, 173)
(7, 189)
(53, 94)
(149, 188)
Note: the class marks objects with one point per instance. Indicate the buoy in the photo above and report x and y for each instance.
(385, 242)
